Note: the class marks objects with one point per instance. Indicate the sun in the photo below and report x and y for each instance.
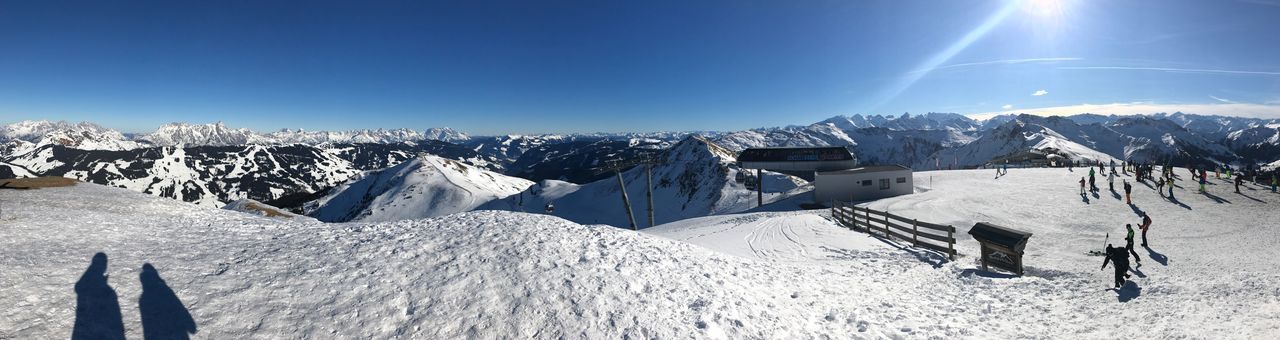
(1045, 9)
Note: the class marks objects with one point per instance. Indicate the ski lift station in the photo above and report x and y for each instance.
(835, 172)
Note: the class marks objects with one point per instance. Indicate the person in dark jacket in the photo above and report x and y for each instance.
(1128, 244)
(1120, 258)
(1127, 188)
(1239, 181)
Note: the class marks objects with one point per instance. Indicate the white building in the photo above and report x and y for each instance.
(862, 184)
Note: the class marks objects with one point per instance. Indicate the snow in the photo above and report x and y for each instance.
(428, 186)
(494, 274)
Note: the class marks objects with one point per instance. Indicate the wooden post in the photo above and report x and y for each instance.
(886, 224)
(951, 245)
(868, 212)
(626, 202)
(915, 230)
(648, 181)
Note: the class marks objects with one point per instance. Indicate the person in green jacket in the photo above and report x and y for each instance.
(1128, 240)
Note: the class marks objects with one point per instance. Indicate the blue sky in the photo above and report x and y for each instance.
(576, 66)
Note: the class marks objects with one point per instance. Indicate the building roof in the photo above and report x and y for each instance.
(866, 169)
(806, 154)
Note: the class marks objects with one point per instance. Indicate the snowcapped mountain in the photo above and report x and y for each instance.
(427, 186)
(215, 134)
(928, 121)
(213, 175)
(580, 161)
(696, 177)
(1025, 136)
(30, 134)
(218, 134)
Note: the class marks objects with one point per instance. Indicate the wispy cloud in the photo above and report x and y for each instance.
(1220, 99)
(1040, 93)
(1134, 108)
(1007, 106)
(999, 62)
(1170, 69)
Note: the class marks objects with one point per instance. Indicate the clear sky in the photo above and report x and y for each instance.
(575, 66)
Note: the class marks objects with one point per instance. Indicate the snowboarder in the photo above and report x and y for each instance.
(1121, 259)
(1146, 223)
(1081, 186)
(1128, 244)
(1127, 188)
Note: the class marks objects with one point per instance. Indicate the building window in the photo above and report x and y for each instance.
(902, 179)
(866, 183)
(884, 184)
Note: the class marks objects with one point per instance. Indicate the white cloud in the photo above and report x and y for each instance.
(1221, 99)
(1170, 69)
(1007, 106)
(999, 62)
(1134, 108)
(1040, 93)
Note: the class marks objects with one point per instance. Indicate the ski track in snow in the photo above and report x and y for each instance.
(756, 275)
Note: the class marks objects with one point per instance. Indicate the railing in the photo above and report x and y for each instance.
(930, 236)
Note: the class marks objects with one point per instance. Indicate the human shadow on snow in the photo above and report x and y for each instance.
(1129, 291)
(1250, 197)
(1115, 194)
(97, 305)
(1158, 257)
(163, 314)
(1215, 198)
(1174, 200)
(1136, 210)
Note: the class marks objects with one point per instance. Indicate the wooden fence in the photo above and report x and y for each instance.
(930, 236)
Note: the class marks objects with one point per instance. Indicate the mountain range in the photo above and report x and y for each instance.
(213, 164)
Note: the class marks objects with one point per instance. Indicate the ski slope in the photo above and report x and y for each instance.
(492, 274)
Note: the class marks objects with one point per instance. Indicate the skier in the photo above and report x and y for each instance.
(1127, 188)
(1113, 165)
(1239, 181)
(1092, 187)
(1111, 181)
(1160, 186)
(1121, 259)
(1273, 183)
(1006, 167)
(1081, 186)
(1128, 244)
(1146, 223)
(1204, 177)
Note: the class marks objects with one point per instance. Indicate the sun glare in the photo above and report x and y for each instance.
(1048, 9)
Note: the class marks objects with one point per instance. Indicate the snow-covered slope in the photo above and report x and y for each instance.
(180, 269)
(427, 186)
(696, 178)
(14, 171)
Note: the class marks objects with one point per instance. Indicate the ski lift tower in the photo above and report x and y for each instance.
(805, 161)
(617, 165)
